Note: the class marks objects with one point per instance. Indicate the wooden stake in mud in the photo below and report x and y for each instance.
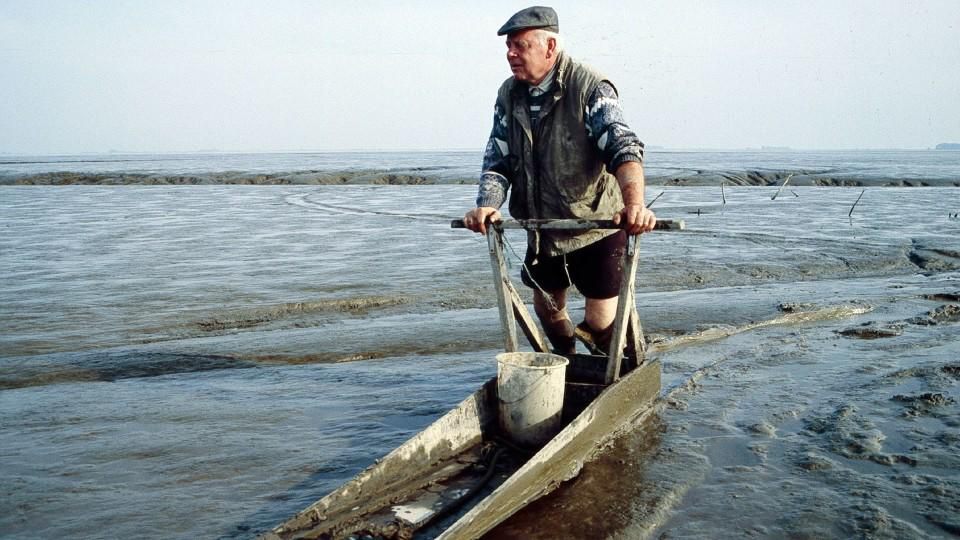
(781, 187)
(850, 214)
(722, 194)
(649, 204)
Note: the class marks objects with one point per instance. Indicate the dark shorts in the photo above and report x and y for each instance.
(594, 269)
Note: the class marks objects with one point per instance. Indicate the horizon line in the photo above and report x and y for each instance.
(654, 148)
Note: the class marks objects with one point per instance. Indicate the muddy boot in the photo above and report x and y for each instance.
(597, 341)
(603, 338)
(560, 334)
(599, 344)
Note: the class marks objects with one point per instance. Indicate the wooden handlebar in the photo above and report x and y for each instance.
(571, 224)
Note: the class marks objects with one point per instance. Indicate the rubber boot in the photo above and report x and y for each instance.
(602, 338)
(599, 344)
(561, 336)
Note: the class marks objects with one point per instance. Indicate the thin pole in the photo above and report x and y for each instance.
(781, 187)
(850, 214)
(649, 204)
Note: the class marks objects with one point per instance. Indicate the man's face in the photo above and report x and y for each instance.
(530, 60)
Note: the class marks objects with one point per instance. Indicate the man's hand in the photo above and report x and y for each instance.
(476, 219)
(635, 219)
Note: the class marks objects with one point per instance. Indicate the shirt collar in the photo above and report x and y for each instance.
(545, 84)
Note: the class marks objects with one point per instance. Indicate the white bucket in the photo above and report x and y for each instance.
(530, 391)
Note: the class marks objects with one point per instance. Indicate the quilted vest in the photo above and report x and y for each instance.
(555, 170)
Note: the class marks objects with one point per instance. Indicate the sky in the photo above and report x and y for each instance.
(242, 76)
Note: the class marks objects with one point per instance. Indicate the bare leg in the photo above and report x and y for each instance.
(555, 321)
(598, 319)
(600, 312)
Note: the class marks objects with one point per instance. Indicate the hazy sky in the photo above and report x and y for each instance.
(142, 76)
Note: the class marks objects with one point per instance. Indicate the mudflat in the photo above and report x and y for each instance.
(204, 361)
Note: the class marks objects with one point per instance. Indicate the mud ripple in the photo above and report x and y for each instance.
(944, 297)
(932, 376)
(853, 436)
(388, 350)
(839, 311)
(794, 307)
(925, 404)
(934, 259)
(814, 462)
(109, 366)
(946, 313)
(937, 498)
(871, 330)
(256, 316)
(762, 428)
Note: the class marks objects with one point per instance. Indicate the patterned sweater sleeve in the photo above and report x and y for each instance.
(607, 127)
(494, 182)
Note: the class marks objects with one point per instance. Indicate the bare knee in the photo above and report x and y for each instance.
(551, 305)
(600, 312)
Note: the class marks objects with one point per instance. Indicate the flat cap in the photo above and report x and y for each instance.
(532, 17)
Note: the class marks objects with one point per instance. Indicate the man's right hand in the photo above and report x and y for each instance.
(476, 219)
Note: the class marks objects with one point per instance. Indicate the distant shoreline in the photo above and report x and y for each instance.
(379, 177)
(663, 168)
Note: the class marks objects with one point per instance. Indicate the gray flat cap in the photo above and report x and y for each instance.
(532, 17)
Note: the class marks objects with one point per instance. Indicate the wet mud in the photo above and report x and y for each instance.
(944, 297)
(781, 436)
(108, 366)
(932, 258)
(872, 331)
(948, 313)
(167, 351)
(268, 314)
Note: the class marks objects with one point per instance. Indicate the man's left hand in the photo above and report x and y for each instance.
(635, 219)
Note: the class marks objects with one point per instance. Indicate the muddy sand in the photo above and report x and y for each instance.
(204, 361)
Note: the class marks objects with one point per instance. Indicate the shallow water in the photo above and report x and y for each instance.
(203, 361)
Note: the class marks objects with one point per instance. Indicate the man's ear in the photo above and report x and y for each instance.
(551, 47)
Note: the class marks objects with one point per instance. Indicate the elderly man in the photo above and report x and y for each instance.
(558, 134)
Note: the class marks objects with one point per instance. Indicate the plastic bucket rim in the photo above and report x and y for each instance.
(509, 358)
